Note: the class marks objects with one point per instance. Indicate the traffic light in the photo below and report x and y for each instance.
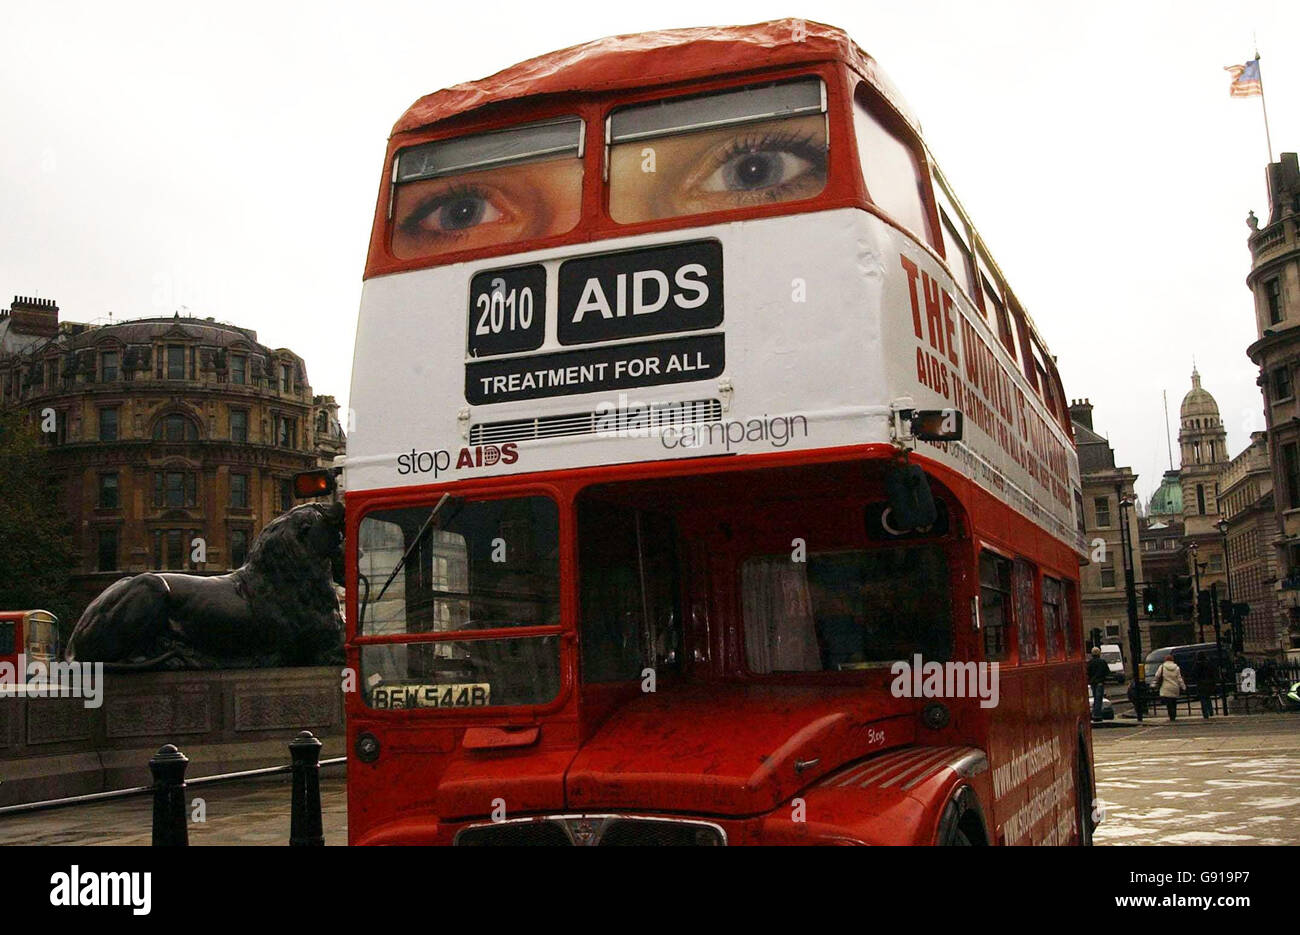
(1205, 608)
(1182, 588)
(1150, 601)
(1237, 614)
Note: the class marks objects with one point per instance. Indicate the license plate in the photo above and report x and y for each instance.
(455, 695)
(661, 290)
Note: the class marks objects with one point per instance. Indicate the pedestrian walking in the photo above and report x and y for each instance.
(1206, 675)
(1098, 672)
(1169, 679)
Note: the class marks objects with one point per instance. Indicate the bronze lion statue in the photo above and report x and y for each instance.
(278, 609)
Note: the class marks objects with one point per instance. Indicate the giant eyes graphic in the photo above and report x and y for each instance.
(719, 169)
(456, 208)
(777, 164)
(485, 208)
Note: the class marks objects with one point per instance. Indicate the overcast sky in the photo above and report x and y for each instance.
(224, 160)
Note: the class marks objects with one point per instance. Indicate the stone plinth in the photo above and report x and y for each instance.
(222, 720)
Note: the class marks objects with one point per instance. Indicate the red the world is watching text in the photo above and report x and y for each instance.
(987, 395)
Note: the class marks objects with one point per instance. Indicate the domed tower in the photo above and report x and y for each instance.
(1167, 501)
(1203, 444)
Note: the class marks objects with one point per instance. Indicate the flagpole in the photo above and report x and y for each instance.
(1264, 107)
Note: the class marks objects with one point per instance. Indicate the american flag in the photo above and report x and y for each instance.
(1245, 79)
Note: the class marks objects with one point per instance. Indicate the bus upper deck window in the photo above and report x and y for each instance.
(961, 261)
(994, 303)
(891, 170)
(759, 145)
(492, 188)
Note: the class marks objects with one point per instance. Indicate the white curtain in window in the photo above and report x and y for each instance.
(777, 609)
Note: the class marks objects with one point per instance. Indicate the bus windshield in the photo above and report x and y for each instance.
(482, 565)
(845, 610)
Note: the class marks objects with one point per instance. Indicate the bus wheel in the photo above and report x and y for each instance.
(1083, 799)
(962, 824)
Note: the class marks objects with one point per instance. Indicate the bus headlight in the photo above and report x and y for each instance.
(367, 748)
(935, 715)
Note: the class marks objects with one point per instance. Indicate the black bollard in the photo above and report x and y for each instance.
(305, 829)
(169, 825)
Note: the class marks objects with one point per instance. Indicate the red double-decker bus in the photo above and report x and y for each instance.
(707, 483)
(28, 636)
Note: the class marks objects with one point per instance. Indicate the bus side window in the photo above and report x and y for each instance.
(995, 606)
(1043, 383)
(1072, 641)
(7, 641)
(1058, 391)
(1055, 618)
(956, 247)
(1025, 340)
(1022, 578)
(994, 303)
(892, 170)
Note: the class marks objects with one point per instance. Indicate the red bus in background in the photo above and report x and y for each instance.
(707, 483)
(33, 634)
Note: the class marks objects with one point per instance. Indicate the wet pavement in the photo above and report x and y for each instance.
(246, 811)
(1229, 780)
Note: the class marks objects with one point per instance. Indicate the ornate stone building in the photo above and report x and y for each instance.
(1250, 523)
(1102, 591)
(175, 440)
(1163, 560)
(1274, 281)
(1203, 444)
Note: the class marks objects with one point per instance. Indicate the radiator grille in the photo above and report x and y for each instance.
(632, 420)
(514, 834)
(659, 834)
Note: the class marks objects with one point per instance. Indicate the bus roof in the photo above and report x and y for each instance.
(651, 58)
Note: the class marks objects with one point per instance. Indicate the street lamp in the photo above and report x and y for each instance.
(1222, 526)
(1130, 590)
(1196, 604)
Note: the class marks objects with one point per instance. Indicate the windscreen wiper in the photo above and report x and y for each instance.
(419, 537)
